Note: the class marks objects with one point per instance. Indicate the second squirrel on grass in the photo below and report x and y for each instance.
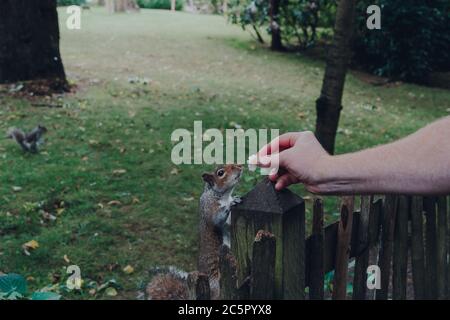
(29, 142)
(215, 206)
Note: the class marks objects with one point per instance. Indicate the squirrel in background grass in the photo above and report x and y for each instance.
(29, 142)
(215, 206)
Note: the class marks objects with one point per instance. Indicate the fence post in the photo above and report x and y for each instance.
(400, 263)
(316, 253)
(262, 282)
(387, 245)
(429, 206)
(282, 214)
(198, 286)
(442, 264)
(363, 249)
(417, 247)
(343, 249)
(228, 275)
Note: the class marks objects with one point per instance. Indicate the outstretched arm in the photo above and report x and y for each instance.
(417, 164)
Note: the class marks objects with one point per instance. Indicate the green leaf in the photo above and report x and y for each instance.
(45, 296)
(12, 282)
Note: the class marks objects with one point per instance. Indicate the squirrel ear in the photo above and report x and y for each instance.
(208, 178)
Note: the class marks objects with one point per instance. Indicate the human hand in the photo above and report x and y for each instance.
(295, 157)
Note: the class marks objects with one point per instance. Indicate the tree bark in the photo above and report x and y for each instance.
(29, 42)
(328, 105)
(276, 43)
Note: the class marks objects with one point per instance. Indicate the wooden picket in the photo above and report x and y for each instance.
(408, 237)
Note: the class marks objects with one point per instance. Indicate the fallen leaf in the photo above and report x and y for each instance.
(66, 258)
(114, 203)
(174, 171)
(30, 245)
(188, 199)
(135, 200)
(59, 211)
(16, 188)
(128, 269)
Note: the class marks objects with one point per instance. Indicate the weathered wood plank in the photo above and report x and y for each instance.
(374, 238)
(262, 284)
(198, 286)
(387, 245)
(429, 205)
(362, 258)
(283, 214)
(417, 247)
(294, 254)
(330, 239)
(442, 264)
(316, 254)
(343, 249)
(400, 262)
(228, 275)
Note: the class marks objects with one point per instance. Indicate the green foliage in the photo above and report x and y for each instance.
(413, 41)
(14, 286)
(298, 19)
(70, 2)
(160, 4)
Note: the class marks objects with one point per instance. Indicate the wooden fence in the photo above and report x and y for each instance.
(271, 258)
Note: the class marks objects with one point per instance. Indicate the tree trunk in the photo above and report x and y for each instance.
(275, 30)
(328, 105)
(29, 42)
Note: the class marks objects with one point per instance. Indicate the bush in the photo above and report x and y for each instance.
(70, 2)
(160, 4)
(298, 19)
(413, 41)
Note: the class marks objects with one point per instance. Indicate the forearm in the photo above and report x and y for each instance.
(417, 164)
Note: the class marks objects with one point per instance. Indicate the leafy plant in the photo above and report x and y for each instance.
(298, 19)
(413, 41)
(13, 286)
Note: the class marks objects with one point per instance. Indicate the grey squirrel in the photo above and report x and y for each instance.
(215, 206)
(29, 142)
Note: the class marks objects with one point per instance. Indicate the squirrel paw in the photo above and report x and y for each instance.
(236, 200)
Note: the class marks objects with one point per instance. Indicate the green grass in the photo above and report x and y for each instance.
(200, 68)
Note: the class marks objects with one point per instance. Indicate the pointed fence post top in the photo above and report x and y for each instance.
(263, 198)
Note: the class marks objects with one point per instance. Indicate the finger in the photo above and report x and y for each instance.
(275, 160)
(273, 176)
(284, 181)
(279, 144)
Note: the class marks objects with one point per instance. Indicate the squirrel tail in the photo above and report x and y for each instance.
(20, 137)
(16, 134)
(168, 284)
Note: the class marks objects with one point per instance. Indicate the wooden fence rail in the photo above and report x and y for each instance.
(407, 237)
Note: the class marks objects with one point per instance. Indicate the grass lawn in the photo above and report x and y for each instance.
(105, 172)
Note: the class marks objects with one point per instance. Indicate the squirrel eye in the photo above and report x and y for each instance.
(220, 172)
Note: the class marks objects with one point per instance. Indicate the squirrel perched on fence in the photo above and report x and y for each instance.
(215, 206)
(29, 142)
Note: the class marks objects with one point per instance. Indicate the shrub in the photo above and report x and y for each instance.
(413, 41)
(298, 19)
(160, 4)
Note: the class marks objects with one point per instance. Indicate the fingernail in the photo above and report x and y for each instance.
(264, 160)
